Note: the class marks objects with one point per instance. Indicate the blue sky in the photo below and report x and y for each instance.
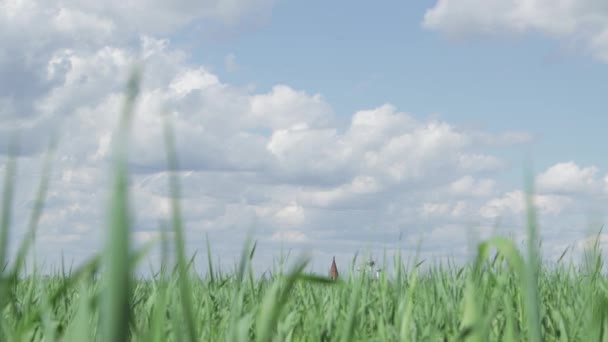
(364, 55)
(328, 126)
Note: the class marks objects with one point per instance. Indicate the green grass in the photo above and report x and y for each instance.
(502, 295)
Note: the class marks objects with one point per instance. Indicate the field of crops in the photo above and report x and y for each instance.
(483, 302)
(502, 295)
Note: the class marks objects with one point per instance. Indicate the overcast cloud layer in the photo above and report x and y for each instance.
(278, 161)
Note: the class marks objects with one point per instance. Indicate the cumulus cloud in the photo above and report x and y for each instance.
(279, 161)
(568, 199)
(289, 236)
(467, 185)
(50, 49)
(514, 202)
(457, 209)
(588, 243)
(577, 22)
(568, 177)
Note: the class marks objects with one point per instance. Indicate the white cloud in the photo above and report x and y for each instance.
(479, 162)
(152, 17)
(289, 236)
(468, 186)
(279, 161)
(514, 202)
(361, 192)
(580, 21)
(44, 42)
(284, 107)
(291, 215)
(590, 242)
(569, 178)
(276, 161)
(457, 209)
(71, 21)
(190, 81)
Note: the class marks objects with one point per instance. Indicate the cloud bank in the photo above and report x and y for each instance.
(277, 160)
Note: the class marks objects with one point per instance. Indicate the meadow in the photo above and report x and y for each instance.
(503, 294)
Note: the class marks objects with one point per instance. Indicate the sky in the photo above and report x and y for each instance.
(327, 128)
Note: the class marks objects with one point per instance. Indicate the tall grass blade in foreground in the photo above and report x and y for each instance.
(32, 226)
(184, 282)
(117, 273)
(5, 222)
(532, 266)
(8, 192)
(209, 260)
(7, 201)
(274, 301)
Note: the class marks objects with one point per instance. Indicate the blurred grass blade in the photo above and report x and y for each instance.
(406, 303)
(5, 222)
(117, 274)
(7, 201)
(245, 257)
(184, 283)
(532, 266)
(209, 261)
(471, 317)
(349, 327)
(79, 329)
(36, 211)
(274, 301)
(561, 257)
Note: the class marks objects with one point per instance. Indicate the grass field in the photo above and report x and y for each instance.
(502, 295)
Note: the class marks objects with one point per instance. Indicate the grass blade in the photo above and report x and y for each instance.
(7, 201)
(184, 282)
(117, 273)
(532, 267)
(36, 211)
